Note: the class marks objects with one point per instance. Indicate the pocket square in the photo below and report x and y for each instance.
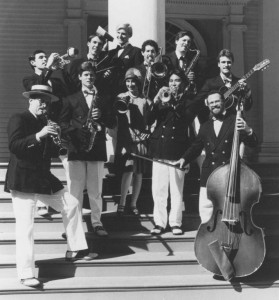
(127, 56)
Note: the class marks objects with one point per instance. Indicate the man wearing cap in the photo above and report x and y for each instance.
(125, 55)
(86, 166)
(29, 179)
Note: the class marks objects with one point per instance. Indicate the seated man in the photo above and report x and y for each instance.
(29, 179)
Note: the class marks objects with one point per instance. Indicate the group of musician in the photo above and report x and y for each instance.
(148, 103)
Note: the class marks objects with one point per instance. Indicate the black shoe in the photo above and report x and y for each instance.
(64, 235)
(100, 231)
(134, 211)
(80, 255)
(31, 282)
(157, 230)
(120, 210)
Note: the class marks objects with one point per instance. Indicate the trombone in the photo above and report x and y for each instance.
(158, 70)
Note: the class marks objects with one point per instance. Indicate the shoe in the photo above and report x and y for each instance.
(157, 230)
(42, 211)
(100, 231)
(80, 255)
(32, 282)
(120, 210)
(134, 211)
(176, 230)
(64, 235)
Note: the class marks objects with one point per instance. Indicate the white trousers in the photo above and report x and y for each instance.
(205, 205)
(163, 178)
(24, 205)
(89, 175)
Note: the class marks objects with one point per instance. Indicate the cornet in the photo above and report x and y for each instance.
(121, 104)
(61, 61)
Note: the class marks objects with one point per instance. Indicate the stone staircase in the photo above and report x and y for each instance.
(133, 264)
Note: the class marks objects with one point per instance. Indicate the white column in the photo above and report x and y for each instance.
(269, 82)
(147, 18)
(236, 46)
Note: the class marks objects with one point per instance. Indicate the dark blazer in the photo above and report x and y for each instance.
(29, 166)
(215, 83)
(217, 149)
(170, 137)
(129, 58)
(74, 115)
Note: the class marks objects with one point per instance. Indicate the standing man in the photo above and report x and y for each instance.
(224, 79)
(124, 56)
(44, 74)
(29, 179)
(173, 113)
(150, 84)
(182, 56)
(216, 137)
(86, 166)
(98, 59)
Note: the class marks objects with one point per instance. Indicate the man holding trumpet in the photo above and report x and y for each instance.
(173, 113)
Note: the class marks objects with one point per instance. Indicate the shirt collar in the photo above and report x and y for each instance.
(226, 78)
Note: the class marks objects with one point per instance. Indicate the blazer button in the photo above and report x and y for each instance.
(223, 163)
(173, 127)
(162, 136)
(223, 152)
(212, 153)
(172, 137)
(164, 126)
(226, 141)
(213, 163)
(208, 144)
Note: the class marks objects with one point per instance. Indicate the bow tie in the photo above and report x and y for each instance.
(220, 117)
(86, 93)
(119, 47)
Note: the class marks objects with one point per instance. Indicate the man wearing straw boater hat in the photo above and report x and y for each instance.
(29, 179)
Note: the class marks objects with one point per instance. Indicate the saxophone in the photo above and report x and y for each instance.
(191, 88)
(91, 125)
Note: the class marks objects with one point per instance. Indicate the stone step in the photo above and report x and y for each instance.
(140, 264)
(193, 286)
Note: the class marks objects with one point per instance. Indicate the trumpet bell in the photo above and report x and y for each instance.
(159, 70)
(121, 105)
(166, 96)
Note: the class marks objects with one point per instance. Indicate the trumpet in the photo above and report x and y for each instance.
(62, 150)
(62, 60)
(121, 104)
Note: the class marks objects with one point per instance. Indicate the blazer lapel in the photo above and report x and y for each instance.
(126, 50)
(225, 127)
(82, 101)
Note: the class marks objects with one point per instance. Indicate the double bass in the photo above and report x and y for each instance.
(230, 244)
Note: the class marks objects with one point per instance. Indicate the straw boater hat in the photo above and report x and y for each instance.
(40, 89)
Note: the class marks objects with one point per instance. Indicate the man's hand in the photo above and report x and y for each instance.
(181, 164)
(47, 130)
(52, 60)
(191, 76)
(96, 114)
(241, 125)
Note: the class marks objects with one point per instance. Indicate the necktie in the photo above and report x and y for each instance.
(228, 82)
(181, 62)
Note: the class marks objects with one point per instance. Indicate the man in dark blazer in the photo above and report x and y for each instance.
(150, 84)
(182, 57)
(124, 56)
(29, 179)
(224, 80)
(167, 143)
(216, 137)
(85, 165)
